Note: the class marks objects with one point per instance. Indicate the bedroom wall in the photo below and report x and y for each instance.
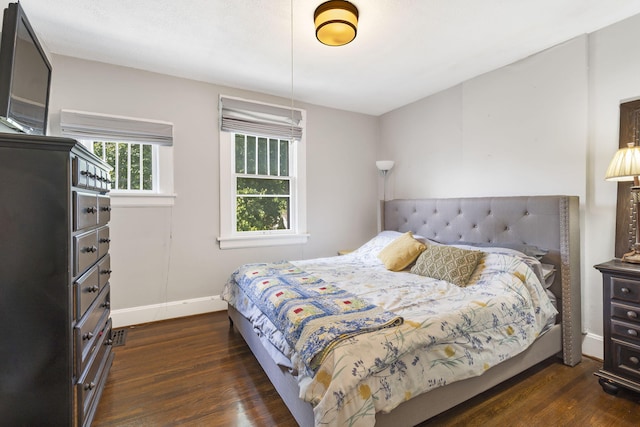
(544, 125)
(166, 261)
(614, 70)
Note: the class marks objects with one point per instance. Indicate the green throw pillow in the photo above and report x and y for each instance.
(448, 263)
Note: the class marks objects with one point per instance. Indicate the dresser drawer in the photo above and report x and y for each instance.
(88, 328)
(90, 386)
(104, 210)
(79, 172)
(625, 330)
(85, 251)
(626, 359)
(103, 179)
(86, 289)
(625, 312)
(91, 175)
(104, 270)
(85, 210)
(103, 339)
(103, 241)
(624, 289)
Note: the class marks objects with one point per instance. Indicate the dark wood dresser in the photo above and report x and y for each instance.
(621, 304)
(55, 346)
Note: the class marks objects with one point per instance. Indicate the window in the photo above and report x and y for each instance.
(133, 164)
(139, 150)
(263, 185)
(262, 177)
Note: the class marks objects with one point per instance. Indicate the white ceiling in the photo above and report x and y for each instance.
(405, 49)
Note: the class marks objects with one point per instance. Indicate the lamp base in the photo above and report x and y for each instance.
(631, 257)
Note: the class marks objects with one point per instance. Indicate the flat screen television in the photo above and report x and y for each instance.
(25, 75)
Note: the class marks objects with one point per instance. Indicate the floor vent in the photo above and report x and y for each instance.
(119, 337)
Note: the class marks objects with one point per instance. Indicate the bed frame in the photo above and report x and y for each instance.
(549, 222)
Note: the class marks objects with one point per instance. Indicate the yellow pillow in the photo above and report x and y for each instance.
(400, 253)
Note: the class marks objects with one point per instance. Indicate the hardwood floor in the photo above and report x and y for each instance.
(197, 371)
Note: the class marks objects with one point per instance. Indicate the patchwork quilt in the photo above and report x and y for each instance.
(312, 314)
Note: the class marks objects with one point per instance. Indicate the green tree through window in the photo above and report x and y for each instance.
(132, 164)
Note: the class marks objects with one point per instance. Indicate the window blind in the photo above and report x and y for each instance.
(237, 115)
(95, 126)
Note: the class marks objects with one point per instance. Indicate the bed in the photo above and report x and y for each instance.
(550, 223)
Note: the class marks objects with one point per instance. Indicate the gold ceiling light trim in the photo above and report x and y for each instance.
(336, 22)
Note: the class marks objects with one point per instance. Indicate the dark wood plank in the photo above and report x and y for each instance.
(197, 371)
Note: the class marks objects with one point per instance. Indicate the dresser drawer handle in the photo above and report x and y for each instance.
(632, 332)
(93, 288)
(625, 290)
(92, 209)
(632, 314)
(87, 336)
(634, 360)
(105, 271)
(105, 240)
(91, 249)
(106, 304)
(90, 386)
(106, 209)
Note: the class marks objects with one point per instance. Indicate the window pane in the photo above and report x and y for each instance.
(97, 149)
(284, 158)
(135, 167)
(263, 213)
(123, 166)
(256, 186)
(251, 155)
(110, 157)
(273, 157)
(240, 153)
(147, 167)
(262, 156)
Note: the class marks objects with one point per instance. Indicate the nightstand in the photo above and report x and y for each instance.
(621, 316)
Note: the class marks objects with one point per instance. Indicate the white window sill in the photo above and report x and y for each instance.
(236, 242)
(138, 200)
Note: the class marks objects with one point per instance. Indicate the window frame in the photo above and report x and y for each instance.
(229, 237)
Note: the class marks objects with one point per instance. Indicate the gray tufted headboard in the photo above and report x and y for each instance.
(549, 222)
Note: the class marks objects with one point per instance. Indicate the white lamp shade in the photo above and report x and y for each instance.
(385, 165)
(625, 164)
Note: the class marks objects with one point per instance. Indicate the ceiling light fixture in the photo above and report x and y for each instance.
(336, 22)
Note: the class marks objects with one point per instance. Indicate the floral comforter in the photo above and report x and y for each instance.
(449, 333)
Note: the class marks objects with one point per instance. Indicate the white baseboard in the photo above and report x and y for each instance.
(593, 346)
(169, 310)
